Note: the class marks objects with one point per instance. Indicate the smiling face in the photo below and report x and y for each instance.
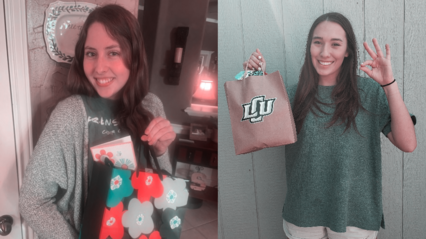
(103, 62)
(328, 50)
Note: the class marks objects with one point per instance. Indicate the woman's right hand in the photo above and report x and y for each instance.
(256, 62)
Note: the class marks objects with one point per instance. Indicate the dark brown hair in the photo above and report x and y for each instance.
(122, 26)
(345, 94)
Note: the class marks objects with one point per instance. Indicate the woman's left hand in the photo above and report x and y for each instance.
(159, 134)
(381, 69)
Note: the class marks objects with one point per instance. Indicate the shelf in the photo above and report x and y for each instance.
(202, 111)
(201, 157)
(205, 145)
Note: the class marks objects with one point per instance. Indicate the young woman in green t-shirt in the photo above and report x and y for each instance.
(329, 73)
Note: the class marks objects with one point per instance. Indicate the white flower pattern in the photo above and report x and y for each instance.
(148, 180)
(175, 222)
(110, 222)
(175, 188)
(116, 182)
(171, 196)
(138, 218)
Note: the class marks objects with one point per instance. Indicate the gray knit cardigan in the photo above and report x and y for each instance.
(55, 185)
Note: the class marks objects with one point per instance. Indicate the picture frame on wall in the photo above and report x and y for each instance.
(205, 58)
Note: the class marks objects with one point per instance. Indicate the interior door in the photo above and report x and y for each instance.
(9, 194)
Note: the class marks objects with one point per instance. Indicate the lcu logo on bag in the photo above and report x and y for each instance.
(258, 108)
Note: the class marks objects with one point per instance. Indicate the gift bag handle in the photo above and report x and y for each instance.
(157, 165)
(159, 171)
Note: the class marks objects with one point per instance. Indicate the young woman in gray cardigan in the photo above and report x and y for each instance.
(109, 83)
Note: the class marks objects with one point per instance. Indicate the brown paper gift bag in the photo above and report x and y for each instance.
(260, 112)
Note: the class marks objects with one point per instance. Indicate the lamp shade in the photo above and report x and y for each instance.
(206, 92)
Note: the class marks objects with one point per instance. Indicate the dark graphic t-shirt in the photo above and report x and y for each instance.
(103, 126)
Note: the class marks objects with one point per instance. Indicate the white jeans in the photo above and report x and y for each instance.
(294, 232)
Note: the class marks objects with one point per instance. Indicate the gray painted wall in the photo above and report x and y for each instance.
(252, 187)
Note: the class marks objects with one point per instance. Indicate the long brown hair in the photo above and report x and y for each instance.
(345, 94)
(124, 28)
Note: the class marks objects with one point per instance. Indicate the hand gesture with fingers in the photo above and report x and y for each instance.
(381, 69)
(159, 134)
(256, 62)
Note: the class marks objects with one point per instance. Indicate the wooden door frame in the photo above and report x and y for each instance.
(17, 52)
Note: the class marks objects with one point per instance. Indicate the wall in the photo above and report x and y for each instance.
(210, 32)
(252, 186)
(210, 41)
(47, 77)
(160, 18)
